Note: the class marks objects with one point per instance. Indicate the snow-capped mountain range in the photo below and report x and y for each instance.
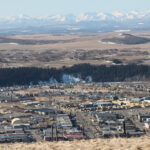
(85, 21)
(116, 15)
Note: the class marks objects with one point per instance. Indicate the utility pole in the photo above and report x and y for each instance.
(11, 95)
(56, 125)
(56, 133)
(52, 132)
(124, 128)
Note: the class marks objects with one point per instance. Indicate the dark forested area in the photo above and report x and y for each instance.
(102, 73)
(128, 39)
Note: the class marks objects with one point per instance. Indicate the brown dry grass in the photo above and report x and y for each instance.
(97, 144)
(41, 98)
(64, 53)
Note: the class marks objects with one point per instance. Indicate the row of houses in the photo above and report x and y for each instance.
(15, 133)
(62, 129)
(112, 124)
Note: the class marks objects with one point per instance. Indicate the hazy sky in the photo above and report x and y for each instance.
(50, 7)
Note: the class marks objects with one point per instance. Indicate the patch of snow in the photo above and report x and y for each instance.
(122, 30)
(10, 43)
(108, 61)
(73, 28)
(31, 83)
(129, 16)
(134, 12)
(111, 43)
(40, 82)
(13, 43)
(52, 80)
(117, 14)
(121, 35)
(89, 79)
(70, 79)
(82, 17)
(58, 17)
(102, 15)
(140, 23)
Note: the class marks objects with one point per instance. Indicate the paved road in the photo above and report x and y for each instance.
(132, 115)
(36, 135)
(87, 127)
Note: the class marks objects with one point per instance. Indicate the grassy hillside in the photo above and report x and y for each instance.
(97, 144)
(128, 39)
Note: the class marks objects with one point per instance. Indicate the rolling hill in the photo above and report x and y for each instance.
(127, 39)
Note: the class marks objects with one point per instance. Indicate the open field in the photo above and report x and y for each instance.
(97, 144)
(47, 50)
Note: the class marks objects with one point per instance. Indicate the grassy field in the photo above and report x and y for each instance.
(47, 50)
(142, 143)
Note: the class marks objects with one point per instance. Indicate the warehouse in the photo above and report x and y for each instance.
(73, 133)
(63, 121)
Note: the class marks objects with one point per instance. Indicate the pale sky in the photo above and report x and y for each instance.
(51, 7)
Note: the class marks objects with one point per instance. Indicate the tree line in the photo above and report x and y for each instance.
(101, 73)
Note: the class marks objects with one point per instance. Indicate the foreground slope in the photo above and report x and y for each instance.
(97, 144)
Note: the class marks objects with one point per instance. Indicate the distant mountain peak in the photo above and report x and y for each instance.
(115, 15)
(87, 22)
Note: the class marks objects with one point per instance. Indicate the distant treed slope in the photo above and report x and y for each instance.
(23, 76)
(128, 39)
(31, 42)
